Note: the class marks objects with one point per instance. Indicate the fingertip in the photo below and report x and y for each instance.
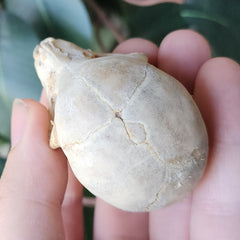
(181, 54)
(38, 122)
(139, 45)
(221, 65)
(28, 117)
(217, 93)
(18, 120)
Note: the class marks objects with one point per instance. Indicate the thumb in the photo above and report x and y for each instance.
(35, 176)
(33, 168)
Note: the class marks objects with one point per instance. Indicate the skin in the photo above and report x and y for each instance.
(152, 2)
(41, 199)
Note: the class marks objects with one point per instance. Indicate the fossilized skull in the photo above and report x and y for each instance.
(132, 134)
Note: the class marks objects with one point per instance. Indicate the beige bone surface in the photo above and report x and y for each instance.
(132, 134)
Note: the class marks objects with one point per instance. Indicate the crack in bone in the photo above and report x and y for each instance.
(137, 123)
(128, 131)
(89, 135)
(118, 115)
(92, 89)
(162, 188)
(152, 150)
(178, 163)
(137, 87)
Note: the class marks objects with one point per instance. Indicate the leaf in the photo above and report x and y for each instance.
(2, 164)
(108, 6)
(88, 222)
(4, 148)
(88, 217)
(225, 9)
(28, 11)
(153, 22)
(18, 78)
(5, 115)
(68, 20)
(218, 21)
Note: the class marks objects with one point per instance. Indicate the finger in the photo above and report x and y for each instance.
(110, 222)
(152, 2)
(171, 222)
(139, 45)
(34, 179)
(215, 205)
(72, 210)
(181, 54)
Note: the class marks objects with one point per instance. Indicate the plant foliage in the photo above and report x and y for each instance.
(217, 20)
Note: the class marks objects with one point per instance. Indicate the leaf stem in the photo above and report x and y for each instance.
(105, 20)
(44, 14)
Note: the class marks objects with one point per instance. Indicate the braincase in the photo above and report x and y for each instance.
(114, 77)
(132, 134)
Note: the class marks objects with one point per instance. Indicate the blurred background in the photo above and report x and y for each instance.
(99, 25)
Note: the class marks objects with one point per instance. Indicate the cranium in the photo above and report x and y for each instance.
(132, 134)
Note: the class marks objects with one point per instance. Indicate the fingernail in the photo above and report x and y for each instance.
(18, 122)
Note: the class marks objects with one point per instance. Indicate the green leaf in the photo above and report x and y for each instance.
(68, 20)
(5, 115)
(108, 6)
(218, 21)
(88, 222)
(88, 216)
(18, 78)
(2, 164)
(24, 9)
(28, 11)
(228, 10)
(4, 147)
(153, 22)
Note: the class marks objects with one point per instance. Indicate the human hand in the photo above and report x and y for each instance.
(212, 211)
(34, 201)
